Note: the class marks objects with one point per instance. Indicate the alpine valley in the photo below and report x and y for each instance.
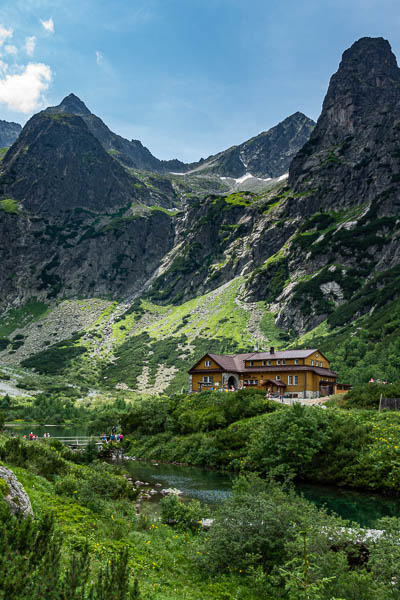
(119, 270)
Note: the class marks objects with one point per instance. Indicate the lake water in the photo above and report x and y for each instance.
(211, 487)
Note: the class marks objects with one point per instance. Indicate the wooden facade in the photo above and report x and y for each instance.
(295, 373)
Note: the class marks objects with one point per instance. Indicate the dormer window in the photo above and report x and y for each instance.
(283, 361)
(278, 362)
(250, 363)
(269, 363)
(207, 363)
(296, 362)
(263, 363)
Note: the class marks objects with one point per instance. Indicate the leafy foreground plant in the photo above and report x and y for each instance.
(290, 549)
(32, 567)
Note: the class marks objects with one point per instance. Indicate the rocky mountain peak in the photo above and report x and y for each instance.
(73, 105)
(368, 78)
(356, 131)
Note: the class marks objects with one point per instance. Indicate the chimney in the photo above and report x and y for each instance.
(272, 350)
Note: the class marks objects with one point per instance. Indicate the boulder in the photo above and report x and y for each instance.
(14, 494)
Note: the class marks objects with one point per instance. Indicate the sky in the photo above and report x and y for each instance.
(188, 78)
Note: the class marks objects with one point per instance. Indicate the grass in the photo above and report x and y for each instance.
(3, 152)
(11, 206)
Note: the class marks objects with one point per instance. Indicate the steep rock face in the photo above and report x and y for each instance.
(9, 132)
(73, 222)
(131, 153)
(266, 155)
(343, 189)
(217, 239)
(14, 494)
(57, 165)
(353, 155)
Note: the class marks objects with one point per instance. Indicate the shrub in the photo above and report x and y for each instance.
(251, 529)
(183, 516)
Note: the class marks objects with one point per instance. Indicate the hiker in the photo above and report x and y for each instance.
(31, 436)
(112, 437)
(118, 437)
(121, 437)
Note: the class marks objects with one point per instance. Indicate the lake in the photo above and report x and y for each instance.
(211, 487)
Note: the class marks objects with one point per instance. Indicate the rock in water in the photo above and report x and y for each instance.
(14, 494)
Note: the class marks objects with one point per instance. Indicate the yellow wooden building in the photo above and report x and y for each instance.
(294, 373)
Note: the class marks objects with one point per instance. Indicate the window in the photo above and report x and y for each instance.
(253, 381)
(284, 362)
(312, 362)
(278, 362)
(278, 378)
(207, 378)
(250, 363)
(269, 363)
(293, 379)
(207, 363)
(296, 362)
(263, 363)
(316, 356)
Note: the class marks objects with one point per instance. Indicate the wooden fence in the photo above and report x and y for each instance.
(389, 404)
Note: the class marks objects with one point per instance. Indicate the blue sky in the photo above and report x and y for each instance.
(187, 77)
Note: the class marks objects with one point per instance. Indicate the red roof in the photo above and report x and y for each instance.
(231, 362)
(282, 354)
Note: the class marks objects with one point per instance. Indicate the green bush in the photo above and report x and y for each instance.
(91, 486)
(40, 458)
(252, 528)
(181, 515)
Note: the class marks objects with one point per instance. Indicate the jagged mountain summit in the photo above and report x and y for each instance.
(353, 152)
(9, 132)
(57, 165)
(131, 153)
(267, 155)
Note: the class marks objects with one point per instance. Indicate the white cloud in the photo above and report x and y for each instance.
(48, 25)
(30, 43)
(23, 91)
(10, 49)
(5, 34)
(99, 58)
